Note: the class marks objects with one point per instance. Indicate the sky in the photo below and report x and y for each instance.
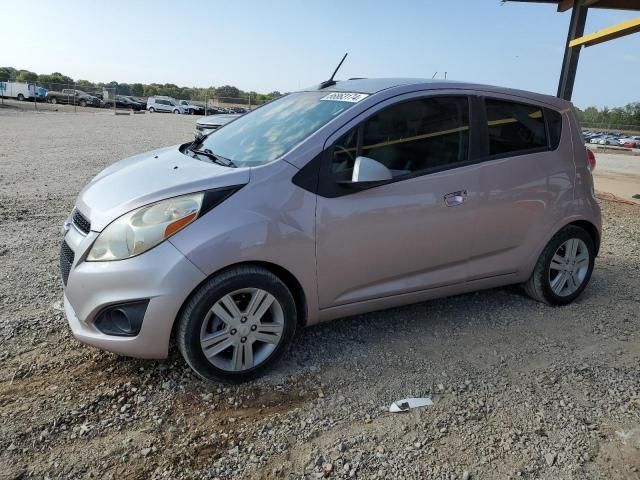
(285, 45)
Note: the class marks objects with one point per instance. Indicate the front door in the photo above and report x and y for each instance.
(412, 233)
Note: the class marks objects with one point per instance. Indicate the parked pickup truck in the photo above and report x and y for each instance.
(73, 97)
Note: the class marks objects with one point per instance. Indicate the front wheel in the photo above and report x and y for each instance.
(151, 109)
(54, 100)
(176, 111)
(83, 103)
(564, 267)
(237, 325)
(20, 97)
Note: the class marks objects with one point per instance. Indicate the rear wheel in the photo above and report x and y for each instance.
(564, 267)
(176, 111)
(83, 103)
(237, 325)
(54, 100)
(20, 97)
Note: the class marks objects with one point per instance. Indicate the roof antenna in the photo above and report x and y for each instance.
(434, 75)
(331, 81)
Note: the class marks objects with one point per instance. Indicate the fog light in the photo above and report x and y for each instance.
(123, 319)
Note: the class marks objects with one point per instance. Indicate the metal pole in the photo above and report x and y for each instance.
(75, 108)
(572, 55)
(114, 101)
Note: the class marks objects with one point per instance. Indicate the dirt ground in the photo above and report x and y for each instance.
(520, 390)
(618, 174)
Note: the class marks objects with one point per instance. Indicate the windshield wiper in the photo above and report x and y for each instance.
(225, 162)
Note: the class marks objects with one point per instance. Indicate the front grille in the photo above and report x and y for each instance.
(81, 221)
(66, 260)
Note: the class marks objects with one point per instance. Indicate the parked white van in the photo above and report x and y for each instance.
(164, 104)
(18, 90)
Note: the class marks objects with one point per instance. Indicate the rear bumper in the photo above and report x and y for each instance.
(162, 275)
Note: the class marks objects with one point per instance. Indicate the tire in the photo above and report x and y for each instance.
(237, 335)
(151, 109)
(546, 283)
(83, 103)
(176, 112)
(20, 97)
(54, 100)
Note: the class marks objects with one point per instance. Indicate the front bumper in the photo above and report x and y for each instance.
(163, 275)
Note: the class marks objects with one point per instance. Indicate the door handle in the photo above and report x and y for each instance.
(454, 199)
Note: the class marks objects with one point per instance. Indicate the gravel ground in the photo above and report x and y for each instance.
(520, 390)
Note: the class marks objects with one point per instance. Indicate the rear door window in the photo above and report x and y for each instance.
(514, 127)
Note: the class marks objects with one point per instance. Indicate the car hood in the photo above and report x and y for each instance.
(148, 178)
(217, 120)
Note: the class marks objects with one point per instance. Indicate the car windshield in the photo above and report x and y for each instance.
(269, 132)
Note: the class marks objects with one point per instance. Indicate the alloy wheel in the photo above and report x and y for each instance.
(569, 267)
(242, 329)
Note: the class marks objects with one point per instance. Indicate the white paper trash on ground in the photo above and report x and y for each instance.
(409, 403)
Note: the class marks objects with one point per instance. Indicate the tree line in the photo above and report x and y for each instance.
(615, 118)
(57, 81)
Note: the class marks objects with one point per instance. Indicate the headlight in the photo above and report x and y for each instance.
(144, 228)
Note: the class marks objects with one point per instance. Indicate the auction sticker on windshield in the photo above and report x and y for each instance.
(345, 97)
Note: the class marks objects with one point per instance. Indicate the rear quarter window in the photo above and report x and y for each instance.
(554, 122)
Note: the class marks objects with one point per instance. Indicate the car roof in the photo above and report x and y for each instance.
(375, 85)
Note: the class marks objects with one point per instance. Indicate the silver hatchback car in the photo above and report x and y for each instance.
(336, 200)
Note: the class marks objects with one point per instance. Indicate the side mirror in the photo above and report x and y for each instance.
(367, 172)
(367, 169)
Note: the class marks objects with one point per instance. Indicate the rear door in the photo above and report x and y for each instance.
(526, 180)
(412, 233)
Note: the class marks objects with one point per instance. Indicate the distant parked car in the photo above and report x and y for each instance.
(212, 110)
(206, 125)
(192, 108)
(73, 97)
(607, 140)
(139, 101)
(630, 143)
(164, 104)
(122, 101)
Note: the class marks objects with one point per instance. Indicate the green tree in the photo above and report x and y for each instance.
(7, 73)
(149, 90)
(227, 91)
(26, 76)
(137, 89)
(123, 89)
(85, 85)
(55, 81)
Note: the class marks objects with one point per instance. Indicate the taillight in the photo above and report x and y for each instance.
(591, 160)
